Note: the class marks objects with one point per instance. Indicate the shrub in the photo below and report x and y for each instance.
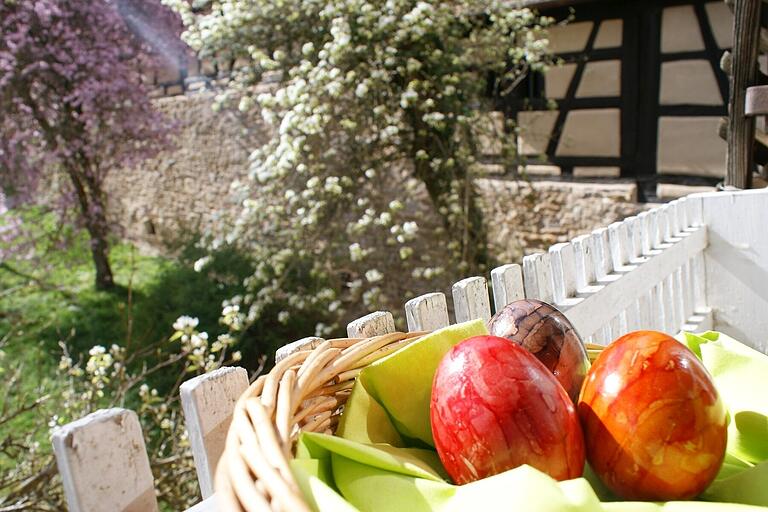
(108, 377)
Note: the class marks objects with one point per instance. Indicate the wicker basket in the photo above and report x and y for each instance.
(303, 392)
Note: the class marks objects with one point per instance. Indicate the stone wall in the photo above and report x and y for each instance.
(528, 217)
(185, 190)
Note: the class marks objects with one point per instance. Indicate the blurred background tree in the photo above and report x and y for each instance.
(73, 105)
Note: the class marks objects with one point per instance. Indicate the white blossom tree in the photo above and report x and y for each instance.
(377, 112)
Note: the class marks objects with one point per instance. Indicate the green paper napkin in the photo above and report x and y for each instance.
(396, 390)
(382, 478)
(382, 465)
(740, 374)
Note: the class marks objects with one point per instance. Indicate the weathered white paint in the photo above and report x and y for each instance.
(296, 346)
(529, 276)
(103, 463)
(645, 240)
(699, 321)
(665, 231)
(674, 227)
(537, 277)
(657, 307)
(602, 253)
(470, 299)
(635, 238)
(563, 272)
(682, 213)
(373, 324)
(427, 312)
(583, 247)
(598, 308)
(736, 264)
(586, 263)
(507, 284)
(603, 267)
(208, 402)
(644, 319)
(699, 278)
(695, 210)
(655, 228)
(618, 241)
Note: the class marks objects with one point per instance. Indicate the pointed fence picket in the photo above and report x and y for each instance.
(645, 272)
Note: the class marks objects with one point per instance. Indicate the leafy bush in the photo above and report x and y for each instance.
(379, 124)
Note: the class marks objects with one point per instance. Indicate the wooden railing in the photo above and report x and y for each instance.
(643, 272)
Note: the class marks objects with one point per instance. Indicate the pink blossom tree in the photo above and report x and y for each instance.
(72, 104)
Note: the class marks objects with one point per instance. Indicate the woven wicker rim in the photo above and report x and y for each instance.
(304, 392)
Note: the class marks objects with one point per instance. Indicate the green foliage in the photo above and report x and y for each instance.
(378, 111)
(67, 349)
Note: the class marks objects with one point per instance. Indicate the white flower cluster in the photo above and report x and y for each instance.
(367, 91)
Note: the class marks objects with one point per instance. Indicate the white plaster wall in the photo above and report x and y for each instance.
(600, 78)
(610, 34)
(689, 82)
(591, 132)
(557, 80)
(680, 30)
(690, 145)
(721, 21)
(569, 38)
(535, 131)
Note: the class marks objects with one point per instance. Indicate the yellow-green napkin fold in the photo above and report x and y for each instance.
(391, 396)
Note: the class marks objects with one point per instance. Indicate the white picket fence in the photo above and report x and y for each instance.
(652, 271)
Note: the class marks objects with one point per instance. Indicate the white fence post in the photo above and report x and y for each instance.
(208, 402)
(507, 283)
(645, 240)
(584, 249)
(427, 312)
(537, 277)
(373, 324)
(103, 463)
(295, 346)
(563, 272)
(470, 299)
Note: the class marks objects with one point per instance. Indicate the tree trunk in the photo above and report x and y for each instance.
(94, 215)
(100, 255)
(741, 129)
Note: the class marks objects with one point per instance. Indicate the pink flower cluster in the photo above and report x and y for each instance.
(71, 95)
